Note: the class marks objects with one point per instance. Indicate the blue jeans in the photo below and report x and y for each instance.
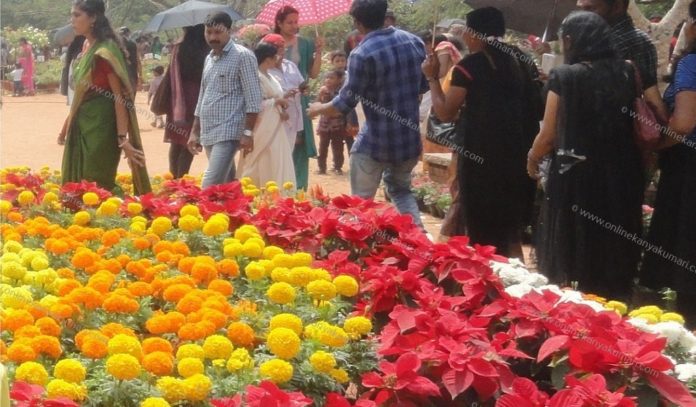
(366, 174)
(221, 169)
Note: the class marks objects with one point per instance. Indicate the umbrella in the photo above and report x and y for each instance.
(64, 35)
(311, 11)
(447, 23)
(187, 14)
(258, 30)
(538, 17)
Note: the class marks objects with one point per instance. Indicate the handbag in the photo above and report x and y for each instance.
(645, 125)
(161, 101)
(441, 133)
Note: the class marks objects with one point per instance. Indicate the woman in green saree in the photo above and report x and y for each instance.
(102, 120)
(307, 56)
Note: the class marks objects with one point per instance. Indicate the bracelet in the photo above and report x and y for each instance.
(433, 79)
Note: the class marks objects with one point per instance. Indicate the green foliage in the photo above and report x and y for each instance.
(48, 72)
(38, 38)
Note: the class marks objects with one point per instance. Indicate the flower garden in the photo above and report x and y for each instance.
(240, 295)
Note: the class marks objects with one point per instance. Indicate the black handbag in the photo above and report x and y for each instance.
(442, 133)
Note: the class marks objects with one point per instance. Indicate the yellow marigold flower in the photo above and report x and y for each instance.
(172, 389)
(289, 321)
(281, 274)
(70, 370)
(281, 293)
(90, 199)
(32, 372)
(346, 285)
(134, 208)
(241, 334)
(239, 359)
(11, 247)
(672, 316)
(327, 334)
(322, 361)
(16, 297)
(270, 251)
(60, 388)
(217, 347)
(617, 306)
(123, 366)
(159, 363)
(650, 318)
(26, 198)
(82, 218)
(5, 207)
(276, 370)
(13, 270)
(321, 290)
(340, 375)
(190, 366)
(190, 350)
(125, 344)
(108, 208)
(255, 271)
(284, 343)
(288, 185)
(301, 259)
(189, 223)
(49, 198)
(648, 309)
(232, 249)
(197, 387)
(215, 226)
(283, 260)
(252, 249)
(300, 276)
(320, 274)
(355, 327)
(161, 225)
(154, 402)
(189, 210)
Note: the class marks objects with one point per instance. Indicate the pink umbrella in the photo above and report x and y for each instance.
(311, 11)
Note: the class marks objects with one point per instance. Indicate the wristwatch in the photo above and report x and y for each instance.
(247, 132)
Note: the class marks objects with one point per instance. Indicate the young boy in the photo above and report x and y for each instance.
(18, 89)
(340, 63)
(157, 71)
(332, 128)
(339, 60)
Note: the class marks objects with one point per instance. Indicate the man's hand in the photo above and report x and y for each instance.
(246, 144)
(194, 146)
(315, 109)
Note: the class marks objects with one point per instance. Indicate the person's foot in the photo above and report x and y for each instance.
(153, 124)
(338, 171)
(321, 172)
(161, 126)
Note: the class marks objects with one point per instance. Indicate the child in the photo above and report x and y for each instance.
(332, 128)
(17, 79)
(157, 71)
(340, 63)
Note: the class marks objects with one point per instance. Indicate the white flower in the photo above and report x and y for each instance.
(671, 330)
(641, 324)
(536, 279)
(687, 340)
(685, 372)
(553, 288)
(519, 290)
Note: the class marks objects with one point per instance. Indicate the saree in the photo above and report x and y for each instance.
(91, 147)
(303, 152)
(271, 158)
(27, 62)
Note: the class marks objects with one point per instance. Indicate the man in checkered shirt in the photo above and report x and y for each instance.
(228, 103)
(384, 74)
(631, 44)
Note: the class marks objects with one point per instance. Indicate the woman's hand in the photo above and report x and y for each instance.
(133, 155)
(532, 168)
(282, 103)
(318, 44)
(430, 67)
(61, 139)
(291, 93)
(284, 116)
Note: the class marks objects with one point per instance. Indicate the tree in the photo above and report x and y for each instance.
(661, 32)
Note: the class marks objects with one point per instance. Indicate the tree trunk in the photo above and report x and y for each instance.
(661, 33)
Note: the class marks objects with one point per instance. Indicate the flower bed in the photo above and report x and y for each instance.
(239, 295)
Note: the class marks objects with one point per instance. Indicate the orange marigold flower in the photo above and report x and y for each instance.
(241, 334)
(176, 320)
(224, 287)
(113, 329)
(111, 237)
(216, 317)
(81, 336)
(140, 243)
(120, 304)
(164, 257)
(101, 281)
(190, 332)
(186, 264)
(140, 289)
(203, 272)
(66, 286)
(112, 265)
(47, 345)
(156, 344)
(48, 326)
(65, 272)
(57, 247)
(228, 267)
(159, 363)
(83, 258)
(207, 327)
(87, 296)
(20, 353)
(162, 246)
(175, 292)
(95, 347)
(16, 319)
(61, 311)
(189, 303)
(181, 248)
(157, 325)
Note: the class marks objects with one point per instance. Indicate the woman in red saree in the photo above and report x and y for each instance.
(26, 58)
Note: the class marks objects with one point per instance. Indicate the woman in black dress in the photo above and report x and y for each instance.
(673, 225)
(592, 207)
(500, 107)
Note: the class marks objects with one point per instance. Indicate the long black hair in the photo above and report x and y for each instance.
(589, 37)
(102, 28)
(192, 52)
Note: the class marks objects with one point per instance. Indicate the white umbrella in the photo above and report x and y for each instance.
(190, 13)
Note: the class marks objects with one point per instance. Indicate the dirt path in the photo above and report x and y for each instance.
(29, 127)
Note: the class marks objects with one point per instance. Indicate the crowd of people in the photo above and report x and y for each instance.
(587, 152)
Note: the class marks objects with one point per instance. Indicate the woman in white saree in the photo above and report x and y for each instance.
(271, 158)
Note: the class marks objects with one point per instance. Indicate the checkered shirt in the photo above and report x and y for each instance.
(384, 74)
(230, 89)
(634, 45)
